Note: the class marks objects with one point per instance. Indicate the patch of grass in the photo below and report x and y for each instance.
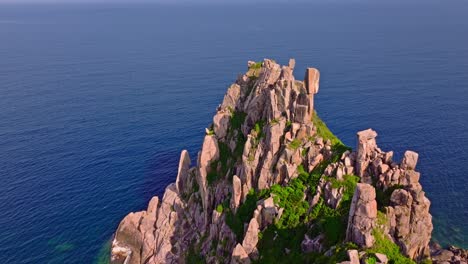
(193, 257)
(426, 261)
(274, 242)
(210, 131)
(371, 260)
(295, 144)
(291, 198)
(212, 176)
(385, 246)
(244, 213)
(381, 218)
(323, 131)
(257, 65)
(227, 158)
(219, 208)
(349, 183)
(311, 180)
(240, 144)
(297, 218)
(289, 231)
(237, 119)
(258, 129)
(391, 250)
(333, 222)
(219, 168)
(338, 150)
(301, 172)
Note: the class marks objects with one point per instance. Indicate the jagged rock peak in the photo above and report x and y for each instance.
(265, 135)
(409, 223)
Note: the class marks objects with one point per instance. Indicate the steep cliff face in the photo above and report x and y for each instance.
(272, 183)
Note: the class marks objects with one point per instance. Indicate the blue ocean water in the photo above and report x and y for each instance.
(97, 101)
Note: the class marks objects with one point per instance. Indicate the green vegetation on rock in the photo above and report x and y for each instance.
(227, 158)
(384, 246)
(298, 219)
(295, 144)
(281, 241)
(257, 65)
(244, 213)
(237, 119)
(324, 132)
(291, 198)
(219, 208)
(193, 257)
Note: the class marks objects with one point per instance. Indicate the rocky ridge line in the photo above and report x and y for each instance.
(266, 136)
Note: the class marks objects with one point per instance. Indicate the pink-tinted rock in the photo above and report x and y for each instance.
(182, 173)
(381, 258)
(353, 256)
(236, 192)
(362, 216)
(309, 245)
(239, 255)
(312, 79)
(221, 123)
(365, 150)
(410, 160)
(251, 237)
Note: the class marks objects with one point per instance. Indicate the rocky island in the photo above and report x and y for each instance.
(272, 184)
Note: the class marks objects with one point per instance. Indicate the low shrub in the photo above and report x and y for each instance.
(295, 144)
(385, 246)
(244, 213)
(257, 65)
(219, 208)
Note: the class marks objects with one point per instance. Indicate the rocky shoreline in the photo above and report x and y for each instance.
(273, 185)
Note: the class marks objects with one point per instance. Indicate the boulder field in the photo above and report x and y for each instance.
(271, 184)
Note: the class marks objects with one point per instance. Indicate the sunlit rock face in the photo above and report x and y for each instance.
(265, 133)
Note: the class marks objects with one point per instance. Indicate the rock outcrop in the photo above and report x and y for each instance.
(266, 135)
(362, 216)
(450, 255)
(409, 222)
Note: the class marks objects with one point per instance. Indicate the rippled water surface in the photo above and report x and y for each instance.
(97, 101)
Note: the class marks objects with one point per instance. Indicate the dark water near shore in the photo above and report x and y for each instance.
(96, 103)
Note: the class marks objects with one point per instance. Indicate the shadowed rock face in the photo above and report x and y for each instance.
(261, 133)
